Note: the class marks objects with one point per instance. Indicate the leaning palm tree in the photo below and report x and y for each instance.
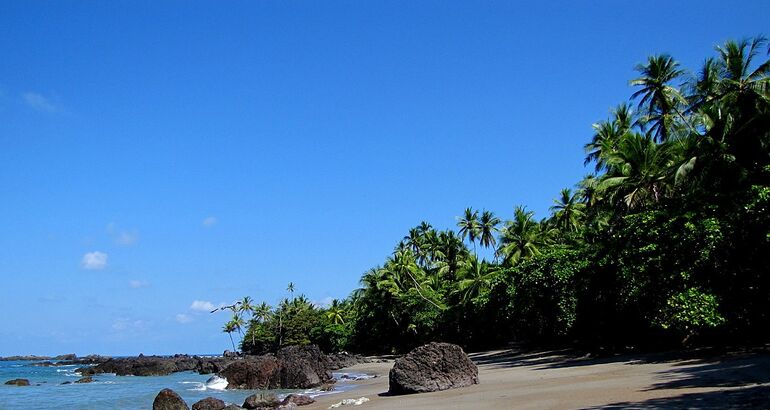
(469, 226)
(229, 328)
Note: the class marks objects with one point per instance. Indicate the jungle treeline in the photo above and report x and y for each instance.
(665, 243)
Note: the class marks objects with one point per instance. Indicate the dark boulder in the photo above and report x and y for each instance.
(212, 365)
(295, 367)
(229, 354)
(209, 403)
(167, 399)
(433, 367)
(255, 373)
(18, 382)
(261, 402)
(303, 367)
(87, 379)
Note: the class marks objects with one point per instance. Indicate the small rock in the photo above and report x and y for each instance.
(209, 403)
(233, 407)
(87, 379)
(350, 402)
(298, 399)
(67, 382)
(261, 402)
(18, 382)
(168, 399)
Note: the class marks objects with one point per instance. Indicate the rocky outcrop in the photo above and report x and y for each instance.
(257, 373)
(302, 367)
(212, 365)
(433, 367)
(18, 382)
(294, 367)
(168, 399)
(87, 379)
(143, 366)
(209, 403)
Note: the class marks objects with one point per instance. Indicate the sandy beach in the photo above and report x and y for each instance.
(561, 379)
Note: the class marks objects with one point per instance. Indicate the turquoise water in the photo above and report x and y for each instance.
(108, 391)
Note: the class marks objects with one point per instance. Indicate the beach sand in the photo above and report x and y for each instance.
(562, 379)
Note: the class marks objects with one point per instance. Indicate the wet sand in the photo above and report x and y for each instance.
(562, 379)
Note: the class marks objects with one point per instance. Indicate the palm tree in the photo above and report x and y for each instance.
(638, 172)
(567, 211)
(469, 226)
(475, 278)
(521, 238)
(290, 288)
(229, 328)
(658, 99)
(335, 312)
(607, 134)
(487, 229)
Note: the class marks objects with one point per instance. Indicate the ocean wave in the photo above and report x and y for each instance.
(353, 376)
(216, 383)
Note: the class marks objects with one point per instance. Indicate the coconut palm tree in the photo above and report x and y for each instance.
(469, 226)
(659, 100)
(475, 278)
(567, 211)
(521, 238)
(229, 328)
(336, 312)
(488, 228)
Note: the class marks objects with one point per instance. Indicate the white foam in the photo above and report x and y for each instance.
(216, 383)
(350, 402)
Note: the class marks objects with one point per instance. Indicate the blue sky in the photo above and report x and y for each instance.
(158, 157)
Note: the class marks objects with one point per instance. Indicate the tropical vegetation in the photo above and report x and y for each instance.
(664, 243)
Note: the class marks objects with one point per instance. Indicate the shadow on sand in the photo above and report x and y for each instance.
(742, 377)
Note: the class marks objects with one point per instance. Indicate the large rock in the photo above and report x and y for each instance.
(303, 367)
(167, 399)
(255, 373)
(18, 382)
(344, 359)
(209, 403)
(297, 400)
(433, 367)
(295, 367)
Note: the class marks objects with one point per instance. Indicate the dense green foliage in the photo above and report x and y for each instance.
(666, 242)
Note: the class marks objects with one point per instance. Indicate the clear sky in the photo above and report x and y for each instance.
(160, 157)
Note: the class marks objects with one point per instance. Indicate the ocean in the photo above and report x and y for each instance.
(109, 391)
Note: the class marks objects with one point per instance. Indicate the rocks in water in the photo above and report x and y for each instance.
(168, 399)
(87, 379)
(209, 403)
(18, 382)
(69, 356)
(143, 366)
(294, 367)
(212, 365)
(67, 382)
(261, 402)
(433, 367)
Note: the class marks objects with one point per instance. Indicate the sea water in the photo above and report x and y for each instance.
(109, 391)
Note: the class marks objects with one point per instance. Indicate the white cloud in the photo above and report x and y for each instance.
(202, 306)
(121, 325)
(39, 102)
(94, 260)
(209, 221)
(127, 238)
(183, 318)
(136, 284)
